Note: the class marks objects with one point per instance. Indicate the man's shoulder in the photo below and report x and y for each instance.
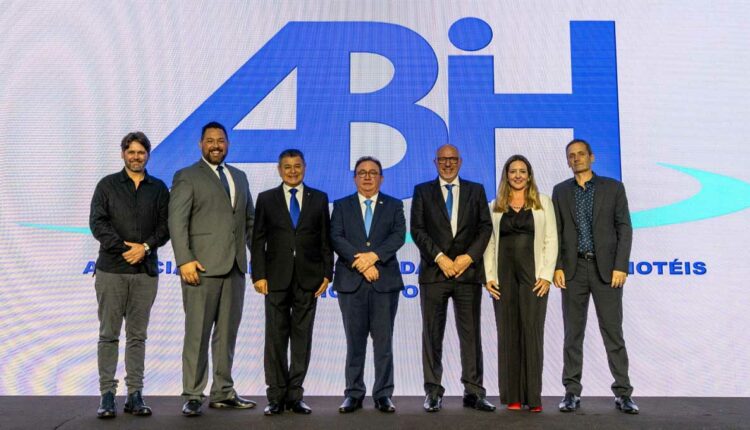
(606, 180)
(339, 202)
(386, 199)
(111, 178)
(188, 170)
(315, 192)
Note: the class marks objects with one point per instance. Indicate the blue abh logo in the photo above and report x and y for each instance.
(320, 52)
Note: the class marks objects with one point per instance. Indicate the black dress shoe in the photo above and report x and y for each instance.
(273, 408)
(136, 406)
(350, 404)
(107, 406)
(234, 402)
(299, 407)
(384, 404)
(478, 403)
(626, 404)
(569, 403)
(192, 408)
(433, 402)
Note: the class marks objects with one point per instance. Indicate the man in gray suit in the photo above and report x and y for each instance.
(211, 224)
(595, 236)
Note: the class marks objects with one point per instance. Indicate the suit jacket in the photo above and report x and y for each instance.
(387, 235)
(545, 242)
(278, 247)
(204, 225)
(613, 233)
(431, 229)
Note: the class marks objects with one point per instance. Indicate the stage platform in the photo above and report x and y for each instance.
(79, 413)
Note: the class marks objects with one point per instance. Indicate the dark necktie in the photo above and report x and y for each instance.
(294, 207)
(224, 180)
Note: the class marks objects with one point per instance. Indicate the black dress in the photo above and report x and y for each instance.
(519, 314)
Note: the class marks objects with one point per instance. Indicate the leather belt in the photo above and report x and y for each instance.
(587, 255)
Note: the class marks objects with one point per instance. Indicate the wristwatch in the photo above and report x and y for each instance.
(147, 248)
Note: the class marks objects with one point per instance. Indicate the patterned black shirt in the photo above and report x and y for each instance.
(584, 213)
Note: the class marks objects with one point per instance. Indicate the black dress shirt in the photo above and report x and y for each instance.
(584, 213)
(120, 212)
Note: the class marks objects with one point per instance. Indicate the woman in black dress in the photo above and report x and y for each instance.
(519, 263)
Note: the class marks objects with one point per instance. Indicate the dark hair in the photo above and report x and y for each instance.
(361, 160)
(136, 136)
(586, 144)
(214, 124)
(292, 152)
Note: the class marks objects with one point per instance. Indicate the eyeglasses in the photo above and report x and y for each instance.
(370, 173)
(445, 160)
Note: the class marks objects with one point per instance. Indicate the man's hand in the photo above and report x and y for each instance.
(461, 263)
(322, 288)
(559, 278)
(446, 265)
(189, 272)
(261, 286)
(364, 261)
(371, 274)
(618, 278)
(494, 289)
(541, 287)
(135, 254)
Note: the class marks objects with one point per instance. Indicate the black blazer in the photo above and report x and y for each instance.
(431, 229)
(387, 236)
(277, 247)
(613, 233)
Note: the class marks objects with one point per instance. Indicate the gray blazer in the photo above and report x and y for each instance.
(613, 233)
(203, 224)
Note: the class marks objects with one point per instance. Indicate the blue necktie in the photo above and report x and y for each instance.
(294, 207)
(223, 178)
(449, 200)
(368, 216)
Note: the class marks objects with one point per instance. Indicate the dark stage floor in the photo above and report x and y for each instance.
(78, 412)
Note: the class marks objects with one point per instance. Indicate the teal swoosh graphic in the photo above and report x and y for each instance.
(60, 228)
(719, 195)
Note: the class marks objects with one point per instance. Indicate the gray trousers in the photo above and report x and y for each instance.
(128, 297)
(213, 305)
(575, 305)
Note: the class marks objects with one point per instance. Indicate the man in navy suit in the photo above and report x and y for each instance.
(292, 265)
(451, 226)
(367, 228)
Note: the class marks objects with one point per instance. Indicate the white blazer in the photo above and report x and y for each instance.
(545, 242)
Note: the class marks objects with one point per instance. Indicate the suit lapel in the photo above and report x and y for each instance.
(463, 199)
(213, 178)
(280, 198)
(378, 213)
(571, 201)
(306, 201)
(599, 195)
(437, 196)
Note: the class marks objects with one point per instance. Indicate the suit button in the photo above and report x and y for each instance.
(368, 244)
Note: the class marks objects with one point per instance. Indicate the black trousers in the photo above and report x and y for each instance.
(519, 317)
(608, 302)
(467, 300)
(367, 312)
(290, 316)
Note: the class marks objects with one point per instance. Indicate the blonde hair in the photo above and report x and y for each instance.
(502, 200)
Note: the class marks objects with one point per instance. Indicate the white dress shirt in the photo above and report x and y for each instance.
(300, 189)
(363, 206)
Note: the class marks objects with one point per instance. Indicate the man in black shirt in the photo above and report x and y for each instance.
(129, 219)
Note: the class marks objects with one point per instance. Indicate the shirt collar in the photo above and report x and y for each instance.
(212, 166)
(124, 176)
(443, 182)
(299, 188)
(363, 198)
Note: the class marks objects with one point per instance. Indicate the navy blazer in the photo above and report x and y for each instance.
(387, 235)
